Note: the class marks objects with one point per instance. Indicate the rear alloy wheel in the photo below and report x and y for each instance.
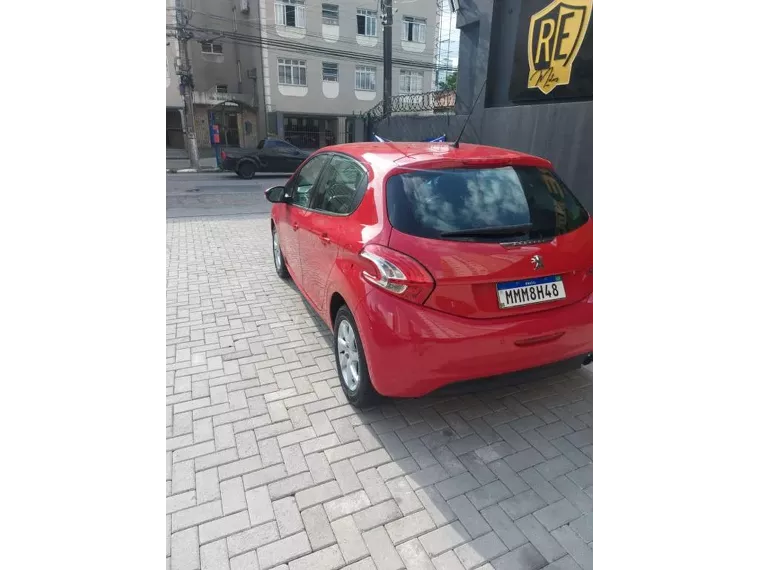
(279, 259)
(351, 362)
(246, 170)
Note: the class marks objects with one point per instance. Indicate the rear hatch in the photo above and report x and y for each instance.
(498, 241)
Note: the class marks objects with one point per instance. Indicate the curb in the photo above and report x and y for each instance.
(191, 170)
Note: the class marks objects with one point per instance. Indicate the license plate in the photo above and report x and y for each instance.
(530, 291)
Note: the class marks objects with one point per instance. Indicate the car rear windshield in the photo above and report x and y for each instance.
(516, 202)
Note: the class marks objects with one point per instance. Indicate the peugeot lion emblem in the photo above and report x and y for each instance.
(537, 262)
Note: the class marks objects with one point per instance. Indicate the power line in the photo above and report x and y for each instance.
(255, 23)
(295, 47)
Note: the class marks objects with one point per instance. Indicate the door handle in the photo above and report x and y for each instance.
(295, 226)
(325, 239)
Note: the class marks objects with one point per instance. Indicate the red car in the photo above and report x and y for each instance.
(434, 264)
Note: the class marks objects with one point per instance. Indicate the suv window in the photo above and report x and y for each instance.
(428, 203)
(303, 184)
(343, 180)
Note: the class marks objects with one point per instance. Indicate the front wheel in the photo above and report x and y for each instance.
(279, 259)
(246, 170)
(351, 361)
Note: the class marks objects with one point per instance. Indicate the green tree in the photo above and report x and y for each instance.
(450, 82)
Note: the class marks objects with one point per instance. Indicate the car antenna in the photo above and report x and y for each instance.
(455, 143)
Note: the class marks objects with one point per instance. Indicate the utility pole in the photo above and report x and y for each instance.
(186, 84)
(387, 54)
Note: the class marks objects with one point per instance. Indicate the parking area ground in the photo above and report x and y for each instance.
(267, 466)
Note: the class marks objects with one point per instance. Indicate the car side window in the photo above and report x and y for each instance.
(342, 180)
(303, 184)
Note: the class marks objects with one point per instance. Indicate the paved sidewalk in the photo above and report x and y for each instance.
(268, 467)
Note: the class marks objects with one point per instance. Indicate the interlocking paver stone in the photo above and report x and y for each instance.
(283, 550)
(269, 467)
(540, 538)
(409, 526)
(252, 538)
(185, 550)
(469, 516)
(318, 494)
(377, 515)
(224, 526)
(247, 561)
(414, 556)
(349, 539)
(329, 558)
(445, 538)
(504, 527)
(525, 557)
(449, 561)
(480, 550)
(522, 504)
(288, 517)
(557, 514)
(346, 505)
(214, 556)
(317, 527)
(381, 548)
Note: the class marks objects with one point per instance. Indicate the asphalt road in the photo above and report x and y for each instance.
(213, 194)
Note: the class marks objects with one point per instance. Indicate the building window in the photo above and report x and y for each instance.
(330, 14)
(210, 47)
(365, 77)
(366, 20)
(411, 81)
(292, 71)
(329, 71)
(221, 89)
(291, 13)
(414, 29)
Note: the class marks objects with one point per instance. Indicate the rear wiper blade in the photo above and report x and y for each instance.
(490, 231)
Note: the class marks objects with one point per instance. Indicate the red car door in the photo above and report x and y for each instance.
(301, 190)
(320, 234)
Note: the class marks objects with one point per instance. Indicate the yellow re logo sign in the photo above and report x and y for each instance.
(556, 34)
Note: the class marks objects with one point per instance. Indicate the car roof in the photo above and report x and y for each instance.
(415, 153)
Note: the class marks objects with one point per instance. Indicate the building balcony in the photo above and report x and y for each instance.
(212, 98)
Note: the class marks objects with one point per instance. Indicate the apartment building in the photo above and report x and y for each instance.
(174, 103)
(322, 63)
(226, 72)
(297, 69)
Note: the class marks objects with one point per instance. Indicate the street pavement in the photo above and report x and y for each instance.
(218, 194)
(268, 467)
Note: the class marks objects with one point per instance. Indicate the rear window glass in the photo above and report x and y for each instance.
(428, 203)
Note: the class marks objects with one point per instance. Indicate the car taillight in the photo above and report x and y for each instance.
(223, 155)
(396, 273)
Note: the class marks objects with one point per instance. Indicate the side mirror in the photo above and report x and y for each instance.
(276, 194)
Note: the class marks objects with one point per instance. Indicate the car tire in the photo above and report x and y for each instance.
(246, 170)
(349, 355)
(279, 259)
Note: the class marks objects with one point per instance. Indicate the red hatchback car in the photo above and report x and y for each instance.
(434, 264)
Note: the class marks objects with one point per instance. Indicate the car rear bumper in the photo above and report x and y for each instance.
(413, 350)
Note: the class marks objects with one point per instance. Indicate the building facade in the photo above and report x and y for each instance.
(322, 63)
(227, 90)
(174, 102)
(296, 69)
